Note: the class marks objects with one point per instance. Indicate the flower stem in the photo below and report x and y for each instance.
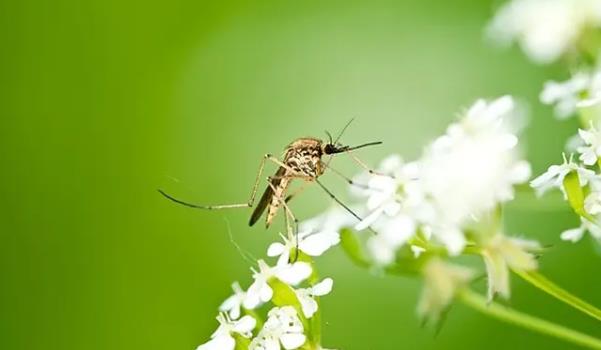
(544, 284)
(503, 313)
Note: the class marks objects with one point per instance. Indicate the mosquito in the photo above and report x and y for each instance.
(303, 159)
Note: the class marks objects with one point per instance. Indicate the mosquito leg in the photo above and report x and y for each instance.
(349, 180)
(288, 214)
(341, 203)
(207, 207)
(248, 204)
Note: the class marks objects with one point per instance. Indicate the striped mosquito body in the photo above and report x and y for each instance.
(302, 160)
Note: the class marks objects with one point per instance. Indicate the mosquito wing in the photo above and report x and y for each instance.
(266, 197)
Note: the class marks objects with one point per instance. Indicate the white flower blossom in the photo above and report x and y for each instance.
(232, 304)
(282, 329)
(567, 96)
(313, 243)
(500, 254)
(465, 173)
(555, 175)
(545, 29)
(590, 152)
(442, 281)
(306, 296)
(576, 234)
(472, 168)
(260, 291)
(592, 203)
(222, 339)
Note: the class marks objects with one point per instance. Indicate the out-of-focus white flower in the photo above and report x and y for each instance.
(590, 152)
(388, 194)
(576, 234)
(222, 339)
(567, 95)
(313, 243)
(472, 168)
(332, 220)
(593, 94)
(282, 327)
(260, 291)
(306, 296)
(392, 234)
(555, 175)
(592, 203)
(442, 281)
(545, 29)
(232, 304)
(501, 253)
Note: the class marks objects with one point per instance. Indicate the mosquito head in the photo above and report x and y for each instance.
(330, 148)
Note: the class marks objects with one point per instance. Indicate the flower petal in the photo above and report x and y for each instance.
(322, 288)
(292, 340)
(318, 243)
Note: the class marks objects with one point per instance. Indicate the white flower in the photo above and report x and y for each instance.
(501, 253)
(592, 203)
(306, 296)
(222, 339)
(472, 168)
(260, 291)
(392, 234)
(545, 29)
(282, 327)
(555, 175)
(565, 95)
(576, 234)
(332, 220)
(234, 302)
(313, 243)
(386, 194)
(442, 281)
(592, 149)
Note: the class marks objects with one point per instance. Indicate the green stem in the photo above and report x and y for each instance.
(503, 313)
(544, 284)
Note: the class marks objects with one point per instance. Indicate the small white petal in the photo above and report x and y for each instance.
(322, 288)
(292, 340)
(276, 249)
(222, 342)
(318, 243)
(244, 325)
(295, 273)
(572, 235)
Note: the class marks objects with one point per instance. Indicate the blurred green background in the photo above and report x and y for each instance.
(104, 101)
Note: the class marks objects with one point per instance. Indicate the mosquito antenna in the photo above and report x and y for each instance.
(329, 136)
(180, 201)
(343, 130)
(341, 204)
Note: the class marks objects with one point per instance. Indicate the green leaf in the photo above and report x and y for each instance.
(571, 184)
(283, 294)
(352, 246)
(242, 343)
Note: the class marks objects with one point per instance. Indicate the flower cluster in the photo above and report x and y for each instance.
(287, 323)
(547, 29)
(446, 203)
